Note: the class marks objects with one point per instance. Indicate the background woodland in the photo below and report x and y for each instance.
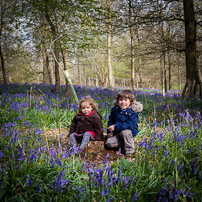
(139, 44)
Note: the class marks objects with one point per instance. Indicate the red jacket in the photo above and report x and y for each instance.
(92, 122)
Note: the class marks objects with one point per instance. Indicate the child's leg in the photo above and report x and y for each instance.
(112, 141)
(73, 140)
(85, 140)
(127, 136)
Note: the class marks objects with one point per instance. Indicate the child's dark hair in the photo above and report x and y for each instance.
(90, 101)
(125, 94)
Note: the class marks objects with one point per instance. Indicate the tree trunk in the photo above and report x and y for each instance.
(164, 71)
(79, 72)
(3, 66)
(2, 23)
(132, 47)
(169, 70)
(48, 68)
(162, 77)
(140, 72)
(44, 68)
(179, 79)
(193, 82)
(56, 50)
(67, 90)
(109, 44)
(84, 75)
(96, 81)
(57, 74)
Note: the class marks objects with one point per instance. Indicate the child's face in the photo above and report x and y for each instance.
(124, 103)
(86, 109)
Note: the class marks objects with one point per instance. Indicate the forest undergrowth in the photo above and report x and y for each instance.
(37, 163)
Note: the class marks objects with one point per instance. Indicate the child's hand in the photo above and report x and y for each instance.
(111, 128)
(109, 134)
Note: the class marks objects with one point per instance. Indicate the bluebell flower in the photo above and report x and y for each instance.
(90, 171)
(193, 166)
(165, 153)
(1, 154)
(135, 197)
(29, 181)
(105, 117)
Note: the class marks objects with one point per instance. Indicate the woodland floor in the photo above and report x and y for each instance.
(96, 152)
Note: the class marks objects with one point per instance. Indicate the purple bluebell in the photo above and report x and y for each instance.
(29, 181)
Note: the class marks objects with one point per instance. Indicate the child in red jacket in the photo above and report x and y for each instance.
(86, 125)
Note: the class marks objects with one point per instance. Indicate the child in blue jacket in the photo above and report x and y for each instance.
(122, 124)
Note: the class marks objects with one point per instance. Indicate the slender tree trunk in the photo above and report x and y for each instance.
(179, 79)
(79, 72)
(96, 80)
(110, 72)
(105, 81)
(48, 68)
(140, 72)
(56, 49)
(57, 74)
(162, 77)
(2, 23)
(164, 71)
(67, 90)
(132, 47)
(109, 45)
(3, 66)
(44, 68)
(193, 82)
(169, 71)
(84, 75)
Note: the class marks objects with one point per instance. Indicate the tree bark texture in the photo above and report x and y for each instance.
(2, 23)
(3, 67)
(140, 72)
(109, 44)
(45, 72)
(193, 82)
(169, 71)
(179, 80)
(162, 76)
(67, 89)
(48, 68)
(57, 74)
(164, 72)
(56, 50)
(132, 47)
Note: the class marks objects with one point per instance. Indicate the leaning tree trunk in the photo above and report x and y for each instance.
(193, 82)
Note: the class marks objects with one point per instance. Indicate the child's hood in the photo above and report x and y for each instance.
(136, 107)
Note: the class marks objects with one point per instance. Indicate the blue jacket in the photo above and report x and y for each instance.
(125, 119)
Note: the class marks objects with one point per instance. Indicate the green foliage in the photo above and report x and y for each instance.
(167, 164)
